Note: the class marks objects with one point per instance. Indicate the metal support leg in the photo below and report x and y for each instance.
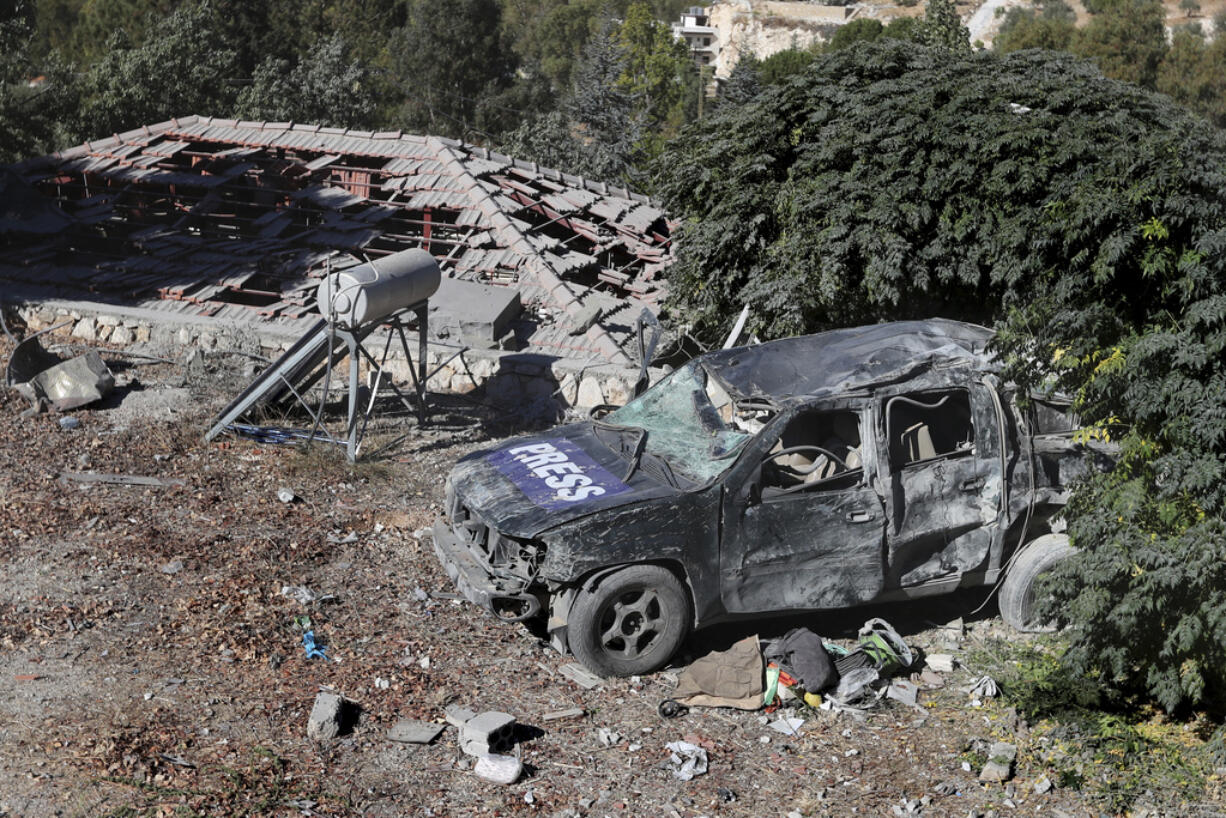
(355, 361)
(423, 313)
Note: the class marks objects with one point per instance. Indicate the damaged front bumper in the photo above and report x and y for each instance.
(505, 598)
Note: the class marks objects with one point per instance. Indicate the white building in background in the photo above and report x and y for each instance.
(695, 28)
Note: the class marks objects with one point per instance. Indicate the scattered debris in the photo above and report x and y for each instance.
(568, 713)
(1000, 763)
(499, 769)
(121, 479)
(607, 737)
(802, 655)
(671, 708)
(940, 662)
(1043, 786)
(172, 567)
(178, 761)
(411, 731)
(69, 423)
(731, 678)
(580, 675)
(313, 651)
(39, 375)
(688, 760)
(787, 726)
(903, 691)
(985, 687)
(304, 595)
(286, 495)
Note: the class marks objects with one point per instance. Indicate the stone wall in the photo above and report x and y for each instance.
(532, 385)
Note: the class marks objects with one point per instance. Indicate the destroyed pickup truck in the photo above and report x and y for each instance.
(850, 467)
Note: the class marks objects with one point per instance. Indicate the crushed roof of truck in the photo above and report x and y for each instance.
(842, 360)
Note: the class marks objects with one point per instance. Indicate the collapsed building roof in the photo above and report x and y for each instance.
(239, 220)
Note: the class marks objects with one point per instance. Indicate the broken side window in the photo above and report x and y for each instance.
(816, 450)
(927, 425)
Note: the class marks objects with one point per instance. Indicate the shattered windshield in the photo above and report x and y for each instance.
(690, 421)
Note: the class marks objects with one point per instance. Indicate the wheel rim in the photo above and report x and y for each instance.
(632, 624)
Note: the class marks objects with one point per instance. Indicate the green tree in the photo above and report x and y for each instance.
(659, 75)
(943, 28)
(36, 97)
(1193, 72)
(744, 81)
(864, 29)
(1023, 29)
(1127, 39)
(98, 20)
(548, 35)
(785, 64)
(449, 62)
(1081, 215)
(596, 130)
(190, 68)
(324, 88)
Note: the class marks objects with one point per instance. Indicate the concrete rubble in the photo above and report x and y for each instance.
(324, 722)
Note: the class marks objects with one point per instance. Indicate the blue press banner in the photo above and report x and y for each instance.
(555, 473)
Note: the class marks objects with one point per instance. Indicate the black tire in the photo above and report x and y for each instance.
(1017, 592)
(631, 623)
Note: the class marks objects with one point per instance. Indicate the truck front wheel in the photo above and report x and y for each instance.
(631, 623)
(1017, 592)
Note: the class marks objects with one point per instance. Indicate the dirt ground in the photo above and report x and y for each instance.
(151, 664)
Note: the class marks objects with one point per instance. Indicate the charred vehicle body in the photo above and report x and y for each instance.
(850, 467)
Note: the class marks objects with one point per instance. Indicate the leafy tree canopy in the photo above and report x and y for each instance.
(325, 87)
(1086, 217)
(191, 67)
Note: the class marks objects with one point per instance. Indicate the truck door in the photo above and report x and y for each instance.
(801, 526)
(939, 451)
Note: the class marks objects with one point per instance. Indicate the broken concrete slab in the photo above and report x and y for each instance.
(580, 675)
(412, 731)
(458, 716)
(68, 384)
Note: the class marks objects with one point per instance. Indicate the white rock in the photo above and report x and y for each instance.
(499, 769)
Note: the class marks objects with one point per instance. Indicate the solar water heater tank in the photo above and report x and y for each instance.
(372, 291)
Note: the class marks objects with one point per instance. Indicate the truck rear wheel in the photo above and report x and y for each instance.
(632, 622)
(1017, 592)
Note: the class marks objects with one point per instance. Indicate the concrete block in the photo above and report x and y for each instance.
(489, 732)
(479, 313)
(122, 335)
(325, 719)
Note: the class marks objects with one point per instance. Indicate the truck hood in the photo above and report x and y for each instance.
(530, 484)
